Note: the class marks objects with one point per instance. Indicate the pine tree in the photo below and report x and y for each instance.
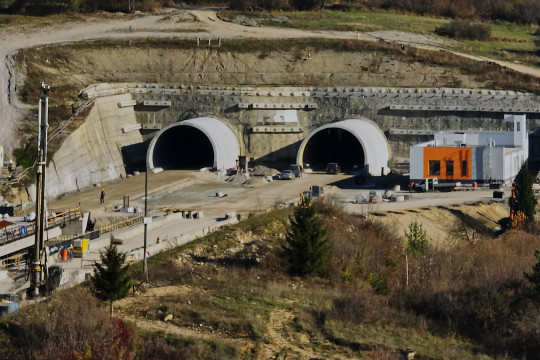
(534, 277)
(111, 279)
(417, 244)
(416, 239)
(306, 243)
(524, 199)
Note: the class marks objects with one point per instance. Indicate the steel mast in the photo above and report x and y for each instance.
(38, 272)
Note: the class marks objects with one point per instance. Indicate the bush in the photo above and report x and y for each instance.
(465, 30)
(305, 4)
(364, 252)
(69, 325)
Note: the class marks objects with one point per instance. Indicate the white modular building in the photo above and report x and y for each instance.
(472, 156)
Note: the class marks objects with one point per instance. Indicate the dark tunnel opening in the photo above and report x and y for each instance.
(334, 145)
(183, 148)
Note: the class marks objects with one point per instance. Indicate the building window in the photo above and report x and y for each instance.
(449, 167)
(434, 167)
(464, 168)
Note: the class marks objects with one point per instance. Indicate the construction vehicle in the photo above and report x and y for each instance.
(81, 247)
(317, 191)
(57, 278)
(314, 192)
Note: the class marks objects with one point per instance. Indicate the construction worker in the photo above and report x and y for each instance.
(102, 197)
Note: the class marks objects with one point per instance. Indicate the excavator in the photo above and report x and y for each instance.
(314, 192)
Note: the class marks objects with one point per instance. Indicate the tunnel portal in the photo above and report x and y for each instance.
(183, 148)
(194, 144)
(334, 145)
(350, 142)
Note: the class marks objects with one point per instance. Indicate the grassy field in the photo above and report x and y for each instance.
(509, 41)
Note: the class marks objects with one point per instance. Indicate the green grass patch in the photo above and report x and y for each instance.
(265, 224)
(203, 349)
(342, 21)
(239, 315)
(188, 347)
(509, 41)
(426, 346)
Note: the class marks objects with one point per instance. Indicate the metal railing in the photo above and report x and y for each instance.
(132, 221)
(19, 231)
(103, 230)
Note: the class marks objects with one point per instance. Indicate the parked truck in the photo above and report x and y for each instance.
(433, 184)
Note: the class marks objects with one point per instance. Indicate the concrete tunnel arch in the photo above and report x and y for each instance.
(194, 144)
(349, 142)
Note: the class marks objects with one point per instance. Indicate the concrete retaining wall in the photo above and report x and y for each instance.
(93, 153)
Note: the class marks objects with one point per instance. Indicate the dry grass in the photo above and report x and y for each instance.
(469, 301)
(361, 306)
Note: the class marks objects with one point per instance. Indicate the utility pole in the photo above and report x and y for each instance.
(39, 274)
(147, 220)
(145, 262)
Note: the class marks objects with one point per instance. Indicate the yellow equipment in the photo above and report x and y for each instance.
(81, 247)
(314, 192)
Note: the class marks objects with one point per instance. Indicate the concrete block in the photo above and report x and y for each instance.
(126, 103)
(129, 128)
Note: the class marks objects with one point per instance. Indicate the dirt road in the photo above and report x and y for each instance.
(207, 24)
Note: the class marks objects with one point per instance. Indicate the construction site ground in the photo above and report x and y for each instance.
(214, 197)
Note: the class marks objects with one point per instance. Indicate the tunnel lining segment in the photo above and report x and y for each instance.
(370, 137)
(224, 143)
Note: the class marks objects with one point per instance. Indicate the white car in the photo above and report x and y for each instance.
(287, 175)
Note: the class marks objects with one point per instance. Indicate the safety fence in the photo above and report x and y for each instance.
(17, 231)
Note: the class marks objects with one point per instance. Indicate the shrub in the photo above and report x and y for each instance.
(69, 325)
(416, 239)
(364, 252)
(534, 276)
(465, 30)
